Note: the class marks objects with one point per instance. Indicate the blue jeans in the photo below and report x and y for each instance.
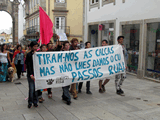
(33, 95)
(66, 95)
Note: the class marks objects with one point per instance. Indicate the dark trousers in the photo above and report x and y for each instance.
(19, 68)
(39, 92)
(66, 96)
(33, 97)
(87, 86)
(49, 90)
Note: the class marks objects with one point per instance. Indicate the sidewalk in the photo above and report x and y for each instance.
(139, 103)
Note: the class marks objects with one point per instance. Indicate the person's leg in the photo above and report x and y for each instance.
(20, 70)
(49, 92)
(88, 88)
(74, 91)
(122, 78)
(31, 90)
(105, 82)
(66, 95)
(17, 68)
(117, 79)
(80, 87)
(100, 84)
(35, 97)
(39, 92)
(103, 85)
(6, 71)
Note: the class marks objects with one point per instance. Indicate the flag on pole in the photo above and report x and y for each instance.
(46, 25)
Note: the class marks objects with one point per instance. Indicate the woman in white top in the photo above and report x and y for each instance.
(3, 59)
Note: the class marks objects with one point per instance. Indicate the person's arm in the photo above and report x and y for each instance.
(29, 66)
(13, 57)
(8, 57)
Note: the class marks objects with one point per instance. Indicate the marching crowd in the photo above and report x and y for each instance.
(20, 58)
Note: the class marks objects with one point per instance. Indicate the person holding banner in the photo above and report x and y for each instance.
(74, 46)
(43, 48)
(87, 45)
(121, 77)
(33, 98)
(50, 48)
(66, 96)
(102, 85)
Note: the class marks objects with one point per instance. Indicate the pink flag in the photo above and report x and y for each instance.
(46, 25)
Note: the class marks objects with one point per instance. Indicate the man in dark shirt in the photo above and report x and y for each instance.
(33, 97)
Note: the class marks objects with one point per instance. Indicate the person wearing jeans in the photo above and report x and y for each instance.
(18, 60)
(66, 96)
(33, 97)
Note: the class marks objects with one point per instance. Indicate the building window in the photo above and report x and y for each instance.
(38, 23)
(94, 2)
(32, 22)
(60, 1)
(108, 32)
(107, 2)
(153, 51)
(131, 35)
(60, 24)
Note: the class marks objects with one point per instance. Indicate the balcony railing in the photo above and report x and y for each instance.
(62, 29)
(33, 29)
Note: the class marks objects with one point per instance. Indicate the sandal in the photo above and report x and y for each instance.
(50, 95)
(41, 100)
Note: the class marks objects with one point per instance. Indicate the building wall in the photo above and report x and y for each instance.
(72, 10)
(75, 17)
(127, 11)
(32, 23)
(20, 22)
(123, 13)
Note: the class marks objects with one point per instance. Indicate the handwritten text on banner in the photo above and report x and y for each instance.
(57, 69)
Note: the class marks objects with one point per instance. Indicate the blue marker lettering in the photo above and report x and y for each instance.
(39, 58)
(85, 75)
(74, 75)
(53, 72)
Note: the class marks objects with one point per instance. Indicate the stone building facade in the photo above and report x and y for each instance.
(32, 22)
(67, 17)
(12, 9)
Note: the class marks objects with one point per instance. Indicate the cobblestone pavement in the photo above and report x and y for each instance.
(141, 102)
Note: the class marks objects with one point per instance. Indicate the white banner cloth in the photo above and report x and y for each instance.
(58, 69)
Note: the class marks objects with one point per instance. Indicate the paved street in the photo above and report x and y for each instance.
(140, 103)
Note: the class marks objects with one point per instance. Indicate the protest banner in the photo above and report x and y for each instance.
(57, 69)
